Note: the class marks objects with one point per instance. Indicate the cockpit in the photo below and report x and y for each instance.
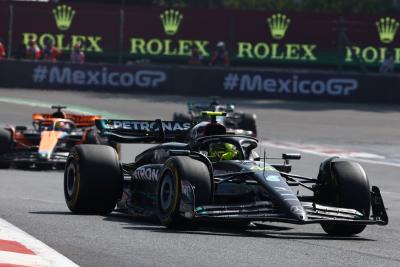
(54, 125)
(226, 147)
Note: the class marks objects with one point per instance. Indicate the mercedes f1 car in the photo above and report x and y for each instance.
(200, 173)
(234, 121)
(48, 143)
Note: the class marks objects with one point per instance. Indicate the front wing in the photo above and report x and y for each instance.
(34, 157)
(267, 211)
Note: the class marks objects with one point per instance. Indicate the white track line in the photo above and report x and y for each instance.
(45, 256)
(323, 154)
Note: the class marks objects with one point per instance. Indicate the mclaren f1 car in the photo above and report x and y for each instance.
(235, 121)
(200, 173)
(48, 142)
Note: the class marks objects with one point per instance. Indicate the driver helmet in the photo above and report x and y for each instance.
(223, 151)
(60, 125)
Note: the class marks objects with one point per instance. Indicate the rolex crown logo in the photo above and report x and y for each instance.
(63, 15)
(387, 28)
(278, 24)
(171, 19)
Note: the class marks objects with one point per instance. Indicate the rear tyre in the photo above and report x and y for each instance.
(248, 123)
(169, 188)
(5, 146)
(92, 179)
(344, 184)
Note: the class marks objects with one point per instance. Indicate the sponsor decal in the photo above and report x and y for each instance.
(146, 125)
(387, 28)
(102, 77)
(278, 24)
(146, 173)
(63, 17)
(293, 85)
(171, 19)
(273, 178)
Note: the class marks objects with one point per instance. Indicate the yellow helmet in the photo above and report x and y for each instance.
(222, 151)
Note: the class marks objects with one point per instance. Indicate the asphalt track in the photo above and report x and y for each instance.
(34, 201)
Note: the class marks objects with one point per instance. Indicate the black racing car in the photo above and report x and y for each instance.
(235, 121)
(200, 173)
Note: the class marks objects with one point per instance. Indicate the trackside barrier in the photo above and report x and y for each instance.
(203, 81)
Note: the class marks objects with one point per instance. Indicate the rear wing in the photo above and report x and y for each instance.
(143, 131)
(79, 120)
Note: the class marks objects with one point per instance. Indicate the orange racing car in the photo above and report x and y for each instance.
(48, 143)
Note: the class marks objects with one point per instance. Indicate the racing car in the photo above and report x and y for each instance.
(235, 122)
(48, 142)
(199, 173)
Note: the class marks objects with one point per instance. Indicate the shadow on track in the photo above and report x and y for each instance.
(257, 230)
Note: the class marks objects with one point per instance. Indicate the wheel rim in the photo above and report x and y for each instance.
(167, 192)
(71, 180)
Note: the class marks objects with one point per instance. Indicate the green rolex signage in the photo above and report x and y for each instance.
(386, 28)
(169, 35)
(65, 38)
(172, 44)
(63, 16)
(171, 19)
(278, 24)
(277, 49)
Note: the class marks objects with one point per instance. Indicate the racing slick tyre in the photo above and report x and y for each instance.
(92, 179)
(5, 146)
(181, 117)
(248, 123)
(169, 188)
(343, 183)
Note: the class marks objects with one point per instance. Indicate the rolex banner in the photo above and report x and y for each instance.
(114, 33)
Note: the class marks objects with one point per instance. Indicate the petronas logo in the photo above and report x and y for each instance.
(171, 19)
(63, 15)
(278, 24)
(387, 28)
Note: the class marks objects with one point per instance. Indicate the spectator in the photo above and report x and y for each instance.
(2, 51)
(50, 52)
(77, 55)
(220, 55)
(33, 51)
(196, 58)
(388, 63)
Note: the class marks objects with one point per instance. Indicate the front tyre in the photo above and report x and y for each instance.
(5, 146)
(92, 179)
(169, 188)
(343, 183)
